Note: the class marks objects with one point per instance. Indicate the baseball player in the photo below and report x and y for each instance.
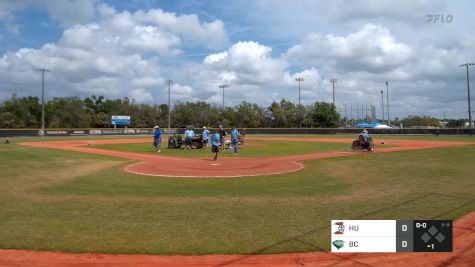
(205, 136)
(157, 138)
(215, 139)
(234, 140)
(189, 133)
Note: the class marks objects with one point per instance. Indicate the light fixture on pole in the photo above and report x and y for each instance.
(382, 104)
(468, 93)
(333, 81)
(43, 98)
(169, 82)
(223, 86)
(387, 101)
(299, 80)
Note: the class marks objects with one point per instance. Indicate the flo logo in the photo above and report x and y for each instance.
(341, 228)
(338, 243)
(438, 18)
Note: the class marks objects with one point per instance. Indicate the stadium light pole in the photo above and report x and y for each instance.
(223, 86)
(333, 81)
(299, 80)
(43, 98)
(382, 103)
(346, 116)
(387, 101)
(169, 82)
(468, 92)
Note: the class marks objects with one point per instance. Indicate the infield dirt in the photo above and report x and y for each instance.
(168, 166)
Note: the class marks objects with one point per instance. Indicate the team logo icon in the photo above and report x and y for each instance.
(338, 243)
(341, 228)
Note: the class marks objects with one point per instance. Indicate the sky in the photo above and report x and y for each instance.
(258, 47)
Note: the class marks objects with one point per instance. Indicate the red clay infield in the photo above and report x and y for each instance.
(157, 165)
(463, 255)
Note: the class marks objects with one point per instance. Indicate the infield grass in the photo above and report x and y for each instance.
(259, 148)
(68, 201)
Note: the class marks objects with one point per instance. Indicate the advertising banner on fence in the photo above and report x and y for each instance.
(56, 132)
(120, 120)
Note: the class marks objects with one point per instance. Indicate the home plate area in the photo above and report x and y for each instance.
(227, 167)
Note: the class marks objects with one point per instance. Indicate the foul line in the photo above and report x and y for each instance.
(300, 167)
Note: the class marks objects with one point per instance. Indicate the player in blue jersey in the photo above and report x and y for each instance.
(157, 138)
(189, 133)
(215, 139)
(205, 136)
(235, 140)
(365, 135)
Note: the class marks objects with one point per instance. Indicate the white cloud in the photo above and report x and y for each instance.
(371, 48)
(248, 62)
(70, 12)
(116, 55)
(117, 52)
(312, 85)
(140, 95)
(405, 10)
(215, 58)
(183, 93)
(120, 34)
(66, 12)
(209, 34)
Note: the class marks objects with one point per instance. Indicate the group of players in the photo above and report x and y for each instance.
(216, 139)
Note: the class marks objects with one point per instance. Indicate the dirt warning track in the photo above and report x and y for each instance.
(463, 255)
(157, 165)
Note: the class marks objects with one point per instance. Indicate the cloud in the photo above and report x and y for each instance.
(393, 9)
(66, 12)
(208, 34)
(247, 62)
(115, 55)
(140, 95)
(310, 88)
(10, 22)
(70, 12)
(120, 34)
(372, 48)
(116, 52)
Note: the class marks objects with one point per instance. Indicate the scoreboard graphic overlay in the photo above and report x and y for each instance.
(391, 235)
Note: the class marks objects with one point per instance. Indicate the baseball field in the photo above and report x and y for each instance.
(117, 195)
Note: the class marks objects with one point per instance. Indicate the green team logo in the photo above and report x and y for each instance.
(339, 243)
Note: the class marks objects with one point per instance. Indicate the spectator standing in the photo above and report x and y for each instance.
(222, 134)
(189, 133)
(205, 136)
(235, 140)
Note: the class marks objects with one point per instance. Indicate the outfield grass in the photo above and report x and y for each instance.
(68, 201)
(454, 138)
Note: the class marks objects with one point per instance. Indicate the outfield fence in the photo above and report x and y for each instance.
(112, 131)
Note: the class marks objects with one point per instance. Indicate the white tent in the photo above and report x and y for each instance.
(381, 126)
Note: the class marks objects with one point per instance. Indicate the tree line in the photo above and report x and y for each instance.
(96, 112)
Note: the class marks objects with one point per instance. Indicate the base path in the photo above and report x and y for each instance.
(158, 165)
(463, 255)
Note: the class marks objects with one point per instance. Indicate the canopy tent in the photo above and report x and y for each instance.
(374, 124)
(362, 124)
